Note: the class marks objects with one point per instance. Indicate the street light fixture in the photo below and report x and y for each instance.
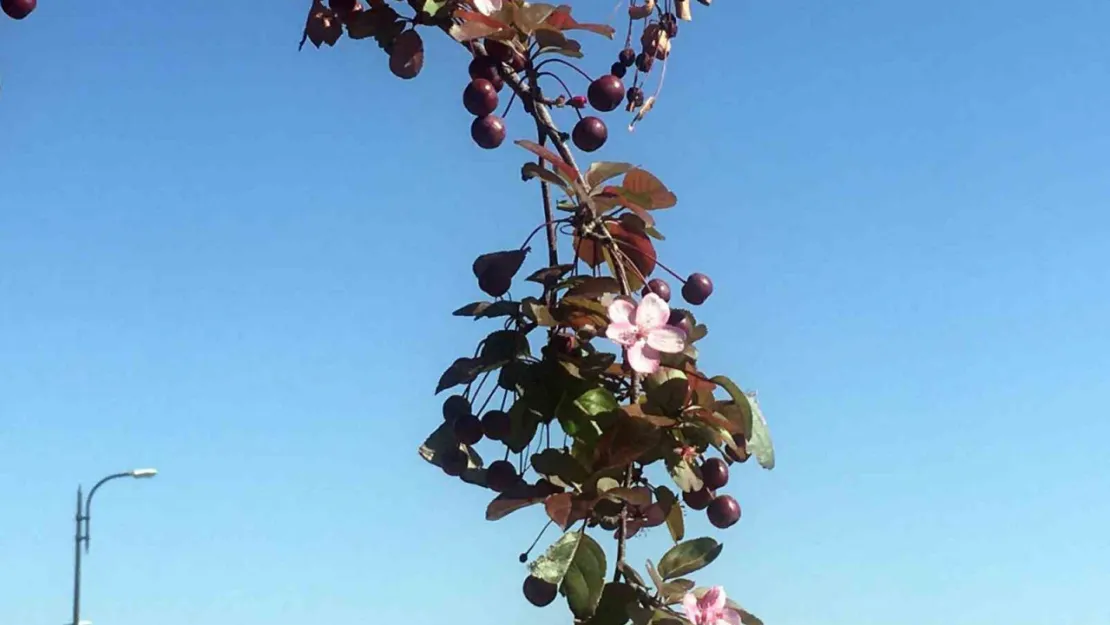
(84, 506)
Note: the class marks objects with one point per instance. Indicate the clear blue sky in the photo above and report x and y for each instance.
(236, 263)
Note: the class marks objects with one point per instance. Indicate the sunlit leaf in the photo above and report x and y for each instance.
(549, 156)
(759, 444)
(687, 557)
(584, 582)
(669, 501)
(602, 171)
(645, 185)
(553, 564)
(533, 170)
(562, 20)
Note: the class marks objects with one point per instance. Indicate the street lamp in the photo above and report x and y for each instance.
(84, 506)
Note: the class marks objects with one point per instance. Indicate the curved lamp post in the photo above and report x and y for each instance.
(84, 505)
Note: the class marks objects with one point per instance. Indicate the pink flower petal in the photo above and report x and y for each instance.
(643, 359)
(668, 339)
(713, 602)
(652, 312)
(693, 612)
(623, 333)
(732, 617)
(621, 311)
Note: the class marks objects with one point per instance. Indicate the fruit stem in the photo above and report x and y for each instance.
(567, 63)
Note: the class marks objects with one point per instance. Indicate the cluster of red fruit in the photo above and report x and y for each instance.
(480, 96)
(469, 430)
(723, 510)
(18, 9)
(695, 290)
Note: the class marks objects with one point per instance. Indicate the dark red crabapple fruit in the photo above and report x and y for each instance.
(679, 320)
(618, 70)
(697, 289)
(714, 473)
(635, 96)
(499, 51)
(698, 499)
(723, 512)
(454, 461)
(609, 523)
(740, 454)
(468, 429)
(659, 287)
(485, 67)
(589, 134)
(480, 97)
(488, 132)
(501, 476)
(517, 63)
(454, 407)
(18, 9)
(538, 592)
(496, 425)
(644, 62)
(605, 93)
(627, 57)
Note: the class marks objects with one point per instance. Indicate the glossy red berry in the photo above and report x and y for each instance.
(488, 132)
(485, 67)
(496, 425)
(644, 62)
(501, 476)
(635, 96)
(468, 429)
(723, 512)
(539, 592)
(714, 473)
(589, 134)
(627, 57)
(698, 499)
(605, 93)
(454, 407)
(18, 9)
(658, 286)
(697, 289)
(479, 97)
(618, 70)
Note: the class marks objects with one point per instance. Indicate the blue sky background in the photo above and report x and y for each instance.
(236, 263)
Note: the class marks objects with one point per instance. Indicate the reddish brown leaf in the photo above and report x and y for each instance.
(406, 59)
(549, 156)
(507, 503)
(562, 20)
(636, 411)
(565, 509)
(646, 188)
(625, 441)
(322, 26)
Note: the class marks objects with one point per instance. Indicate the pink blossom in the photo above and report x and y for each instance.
(643, 331)
(487, 7)
(711, 609)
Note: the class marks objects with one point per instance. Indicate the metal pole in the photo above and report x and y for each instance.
(77, 563)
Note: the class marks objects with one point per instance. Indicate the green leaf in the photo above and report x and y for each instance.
(669, 398)
(760, 442)
(631, 574)
(675, 524)
(503, 346)
(479, 310)
(584, 581)
(739, 415)
(553, 564)
(533, 170)
(674, 591)
(654, 575)
(462, 371)
(739, 397)
(550, 274)
(591, 286)
(637, 496)
(536, 311)
(577, 413)
(685, 476)
(525, 422)
(689, 556)
(443, 439)
(613, 609)
(555, 463)
(602, 171)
